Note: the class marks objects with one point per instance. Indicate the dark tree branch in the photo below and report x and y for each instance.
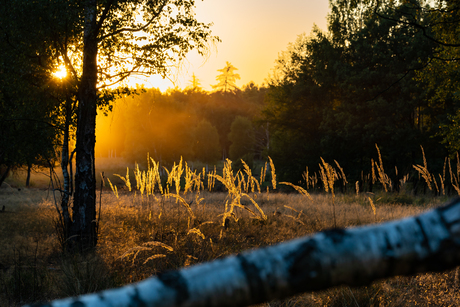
(399, 79)
(67, 62)
(142, 28)
(103, 16)
(121, 76)
(414, 24)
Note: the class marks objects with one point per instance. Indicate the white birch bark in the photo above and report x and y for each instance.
(353, 256)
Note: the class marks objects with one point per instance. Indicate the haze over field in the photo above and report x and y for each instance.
(252, 32)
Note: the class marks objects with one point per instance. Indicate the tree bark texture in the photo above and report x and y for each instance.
(65, 218)
(84, 228)
(351, 256)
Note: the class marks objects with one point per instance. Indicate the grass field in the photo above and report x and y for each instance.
(144, 234)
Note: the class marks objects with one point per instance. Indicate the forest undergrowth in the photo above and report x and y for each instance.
(153, 219)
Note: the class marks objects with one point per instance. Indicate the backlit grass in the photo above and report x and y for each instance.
(156, 219)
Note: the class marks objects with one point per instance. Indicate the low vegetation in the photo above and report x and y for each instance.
(154, 219)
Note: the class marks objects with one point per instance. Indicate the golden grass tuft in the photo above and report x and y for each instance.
(272, 168)
(423, 170)
(299, 189)
(382, 176)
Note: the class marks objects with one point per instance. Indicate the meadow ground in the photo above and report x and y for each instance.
(142, 235)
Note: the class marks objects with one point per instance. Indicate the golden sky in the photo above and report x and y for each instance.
(253, 32)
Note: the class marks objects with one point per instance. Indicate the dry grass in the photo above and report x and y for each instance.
(27, 242)
(30, 256)
(144, 234)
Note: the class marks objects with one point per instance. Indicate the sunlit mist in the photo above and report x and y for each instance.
(61, 72)
(155, 81)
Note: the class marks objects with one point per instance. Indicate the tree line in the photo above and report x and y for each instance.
(192, 123)
(385, 73)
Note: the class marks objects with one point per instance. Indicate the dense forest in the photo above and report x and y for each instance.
(385, 73)
(384, 77)
(192, 123)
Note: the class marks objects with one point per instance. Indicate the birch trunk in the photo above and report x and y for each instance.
(66, 221)
(84, 228)
(354, 257)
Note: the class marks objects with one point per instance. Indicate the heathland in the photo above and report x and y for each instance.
(153, 219)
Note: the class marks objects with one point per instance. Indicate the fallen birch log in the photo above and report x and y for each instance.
(352, 256)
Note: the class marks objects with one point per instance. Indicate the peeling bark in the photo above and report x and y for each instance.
(352, 256)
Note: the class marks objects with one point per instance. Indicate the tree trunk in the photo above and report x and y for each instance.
(66, 221)
(83, 232)
(29, 170)
(4, 174)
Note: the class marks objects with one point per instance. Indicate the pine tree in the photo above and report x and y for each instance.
(227, 78)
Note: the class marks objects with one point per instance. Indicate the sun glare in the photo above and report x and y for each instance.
(61, 72)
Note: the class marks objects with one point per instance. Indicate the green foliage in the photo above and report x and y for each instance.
(362, 83)
(29, 111)
(436, 25)
(377, 98)
(450, 133)
(242, 137)
(168, 31)
(206, 147)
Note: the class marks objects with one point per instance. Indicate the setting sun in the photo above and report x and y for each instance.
(61, 72)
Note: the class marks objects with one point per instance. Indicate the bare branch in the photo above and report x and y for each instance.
(120, 76)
